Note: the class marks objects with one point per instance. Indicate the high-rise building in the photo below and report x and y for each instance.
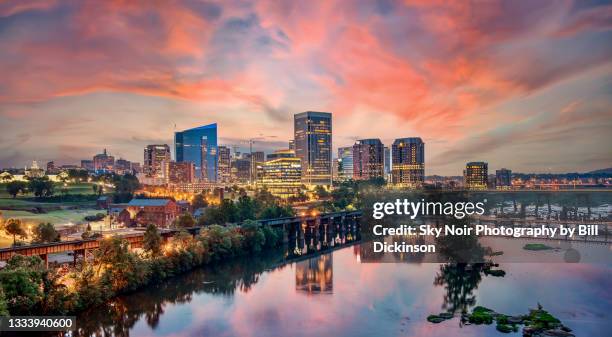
(313, 145)
(224, 168)
(154, 157)
(475, 175)
(87, 164)
(241, 170)
(387, 160)
(282, 176)
(199, 146)
(503, 179)
(257, 160)
(292, 145)
(281, 154)
(345, 163)
(123, 166)
(103, 162)
(368, 159)
(181, 173)
(408, 167)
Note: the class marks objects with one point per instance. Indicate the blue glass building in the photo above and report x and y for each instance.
(199, 146)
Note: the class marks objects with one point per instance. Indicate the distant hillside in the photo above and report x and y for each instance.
(604, 171)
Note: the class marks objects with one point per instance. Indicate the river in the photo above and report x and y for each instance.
(336, 294)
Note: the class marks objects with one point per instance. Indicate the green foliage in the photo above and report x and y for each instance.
(481, 315)
(125, 186)
(22, 280)
(3, 306)
(536, 246)
(96, 217)
(15, 187)
(254, 237)
(41, 187)
(120, 268)
(44, 233)
(184, 220)
(152, 241)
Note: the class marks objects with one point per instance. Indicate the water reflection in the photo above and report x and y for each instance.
(315, 275)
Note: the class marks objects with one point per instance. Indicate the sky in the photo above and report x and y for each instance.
(525, 85)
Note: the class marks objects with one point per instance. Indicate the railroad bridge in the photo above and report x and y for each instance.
(298, 226)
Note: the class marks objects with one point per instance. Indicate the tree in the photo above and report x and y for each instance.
(15, 187)
(15, 228)
(41, 187)
(254, 237)
(45, 232)
(6, 177)
(125, 186)
(152, 241)
(22, 281)
(321, 192)
(119, 268)
(184, 220)
(199, 201)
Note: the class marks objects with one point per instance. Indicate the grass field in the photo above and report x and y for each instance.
(73, 188)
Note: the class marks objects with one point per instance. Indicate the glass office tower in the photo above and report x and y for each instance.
(408, 168)
(313, 145)
(199, 146)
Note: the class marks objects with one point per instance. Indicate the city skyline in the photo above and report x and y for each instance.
(473, 81)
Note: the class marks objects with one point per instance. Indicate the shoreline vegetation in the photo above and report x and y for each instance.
(28, 288)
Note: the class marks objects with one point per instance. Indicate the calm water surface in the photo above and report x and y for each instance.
(335, 294)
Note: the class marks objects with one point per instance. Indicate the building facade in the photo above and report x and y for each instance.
(154, 158)
(475, 176)
(345, 163)
(503, 179)
(181, 173)
(313, 146)
(368, 159)
(199, 146)
(408, 162)
(282, 176)
(224, 167)
(103, 162)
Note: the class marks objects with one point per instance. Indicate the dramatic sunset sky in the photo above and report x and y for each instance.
(520, 84)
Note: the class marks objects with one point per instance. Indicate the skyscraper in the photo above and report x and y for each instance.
(368, 159)
(503, 179)
(224, 169)
(408, 168)
(199, 146)
(387, 160)
(476, 175)
(313, 145)
(345, 163)
(154, 157)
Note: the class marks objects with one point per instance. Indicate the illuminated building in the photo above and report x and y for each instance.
(154, 157)
(282, 176)
(368, 159)
(199, 146)
(315, 275)
(87, 164)
(387, 161)
(123, 166)
(408, 167)
(103, 162)
(224, 168)
(281, 154)
(257, 159)
(475, 176)
(503, 179)
(292, 145)
(345, 163)
(141, 212)
(241, 170)
(183, 172)
(313, 146)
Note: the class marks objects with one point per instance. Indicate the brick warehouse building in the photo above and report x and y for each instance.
(141, 212)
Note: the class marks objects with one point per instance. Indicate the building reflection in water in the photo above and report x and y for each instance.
(315, 275)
